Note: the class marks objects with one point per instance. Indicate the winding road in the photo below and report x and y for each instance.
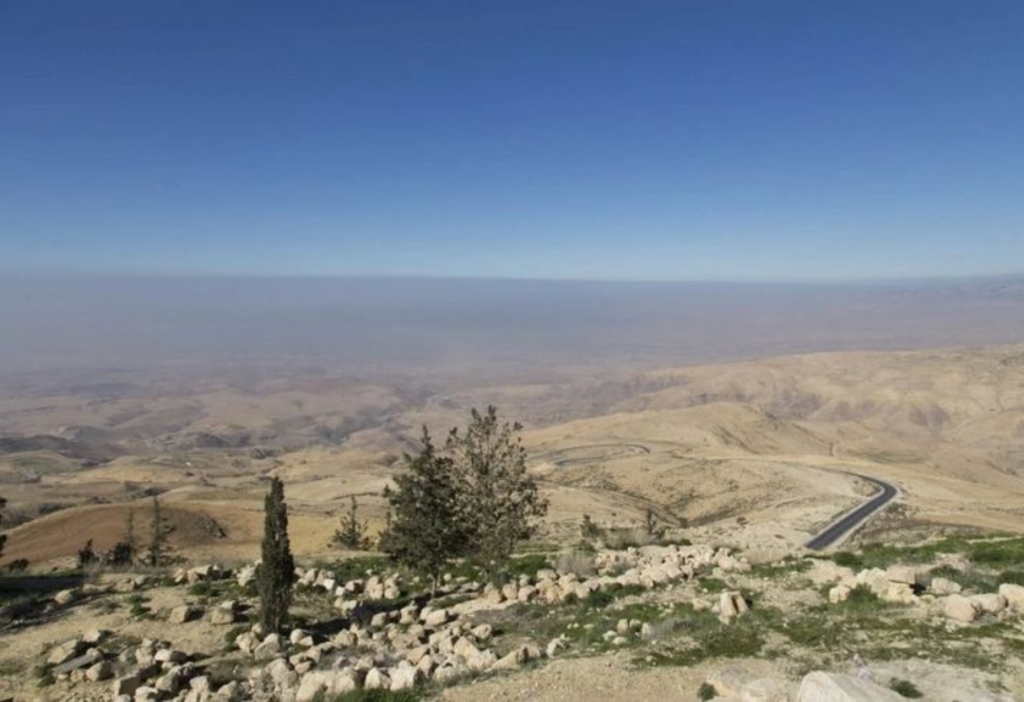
(842, 527)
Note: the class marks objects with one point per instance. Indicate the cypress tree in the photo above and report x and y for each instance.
(158, 540)
(3, 537)
(277, 567)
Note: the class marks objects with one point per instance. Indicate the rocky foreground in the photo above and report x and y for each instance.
(652, 606)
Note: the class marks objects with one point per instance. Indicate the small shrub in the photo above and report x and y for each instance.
(847, 559)
(19, 565)
(202, 588)
(576, 562)
(589, 530)
(905, 688)
(1013, 577)
(86, 555)
(706, 692)
(598, 599)
(526, 565)
(860, 598)
(43, 676)
(713, 585)
(663, 629)
(9, 667)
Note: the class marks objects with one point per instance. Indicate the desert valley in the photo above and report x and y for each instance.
(753, 456)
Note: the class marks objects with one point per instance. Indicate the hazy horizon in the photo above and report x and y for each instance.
(504, 326)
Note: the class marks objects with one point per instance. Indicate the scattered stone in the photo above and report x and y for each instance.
(184, 613)
(221, 616)
(126, 685)
(65, 652)
(959, 608)
(100, 671)
(85, 660)
(65, 597)
(835, 687)
(1014, 596)
(376, 679)
(943, 586)
(839, 593)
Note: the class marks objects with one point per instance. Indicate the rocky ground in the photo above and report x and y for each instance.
(943, 620)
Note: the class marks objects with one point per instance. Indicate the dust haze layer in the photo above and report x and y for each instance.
(363, 325)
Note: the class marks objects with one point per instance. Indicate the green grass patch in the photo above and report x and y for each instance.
(993, 552)
(713, 585)
(526, 565)
(969, 580)
(356, 568)
(1013, 577)
(788, 565)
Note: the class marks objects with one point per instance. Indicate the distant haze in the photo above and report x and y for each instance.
(381, 325)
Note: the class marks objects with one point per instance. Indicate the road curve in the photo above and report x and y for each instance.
(840, 528)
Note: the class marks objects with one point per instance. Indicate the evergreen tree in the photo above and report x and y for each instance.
(429, 527)
(651, 526)
(86, 555)
(277, 567)
(500, 495)
(352, 533)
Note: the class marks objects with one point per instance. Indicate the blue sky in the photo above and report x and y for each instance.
(606, 140)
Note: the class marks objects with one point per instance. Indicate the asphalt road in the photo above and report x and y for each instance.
(844, 525)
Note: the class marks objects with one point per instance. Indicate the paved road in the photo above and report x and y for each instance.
(850, 521)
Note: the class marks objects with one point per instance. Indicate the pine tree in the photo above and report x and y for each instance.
(429, 528)
(351, 533)
(86, 555)
(502, 497)
(277, 567)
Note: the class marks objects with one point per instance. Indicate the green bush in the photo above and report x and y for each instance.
(905, 688)
(713, 585)
(847, 559)
(706, 692)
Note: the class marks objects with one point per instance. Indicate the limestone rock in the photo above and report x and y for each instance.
(959, 608)
(943, 586)
(65, 652)
(835, 687)
(100, 671)
(989, 602)
(839, 593)
(126, 685)
(184, 613)
(376, 679)
(65, 597)
(1014, 595)
(405, 676)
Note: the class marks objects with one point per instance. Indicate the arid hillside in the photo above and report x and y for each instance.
(761, 451)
